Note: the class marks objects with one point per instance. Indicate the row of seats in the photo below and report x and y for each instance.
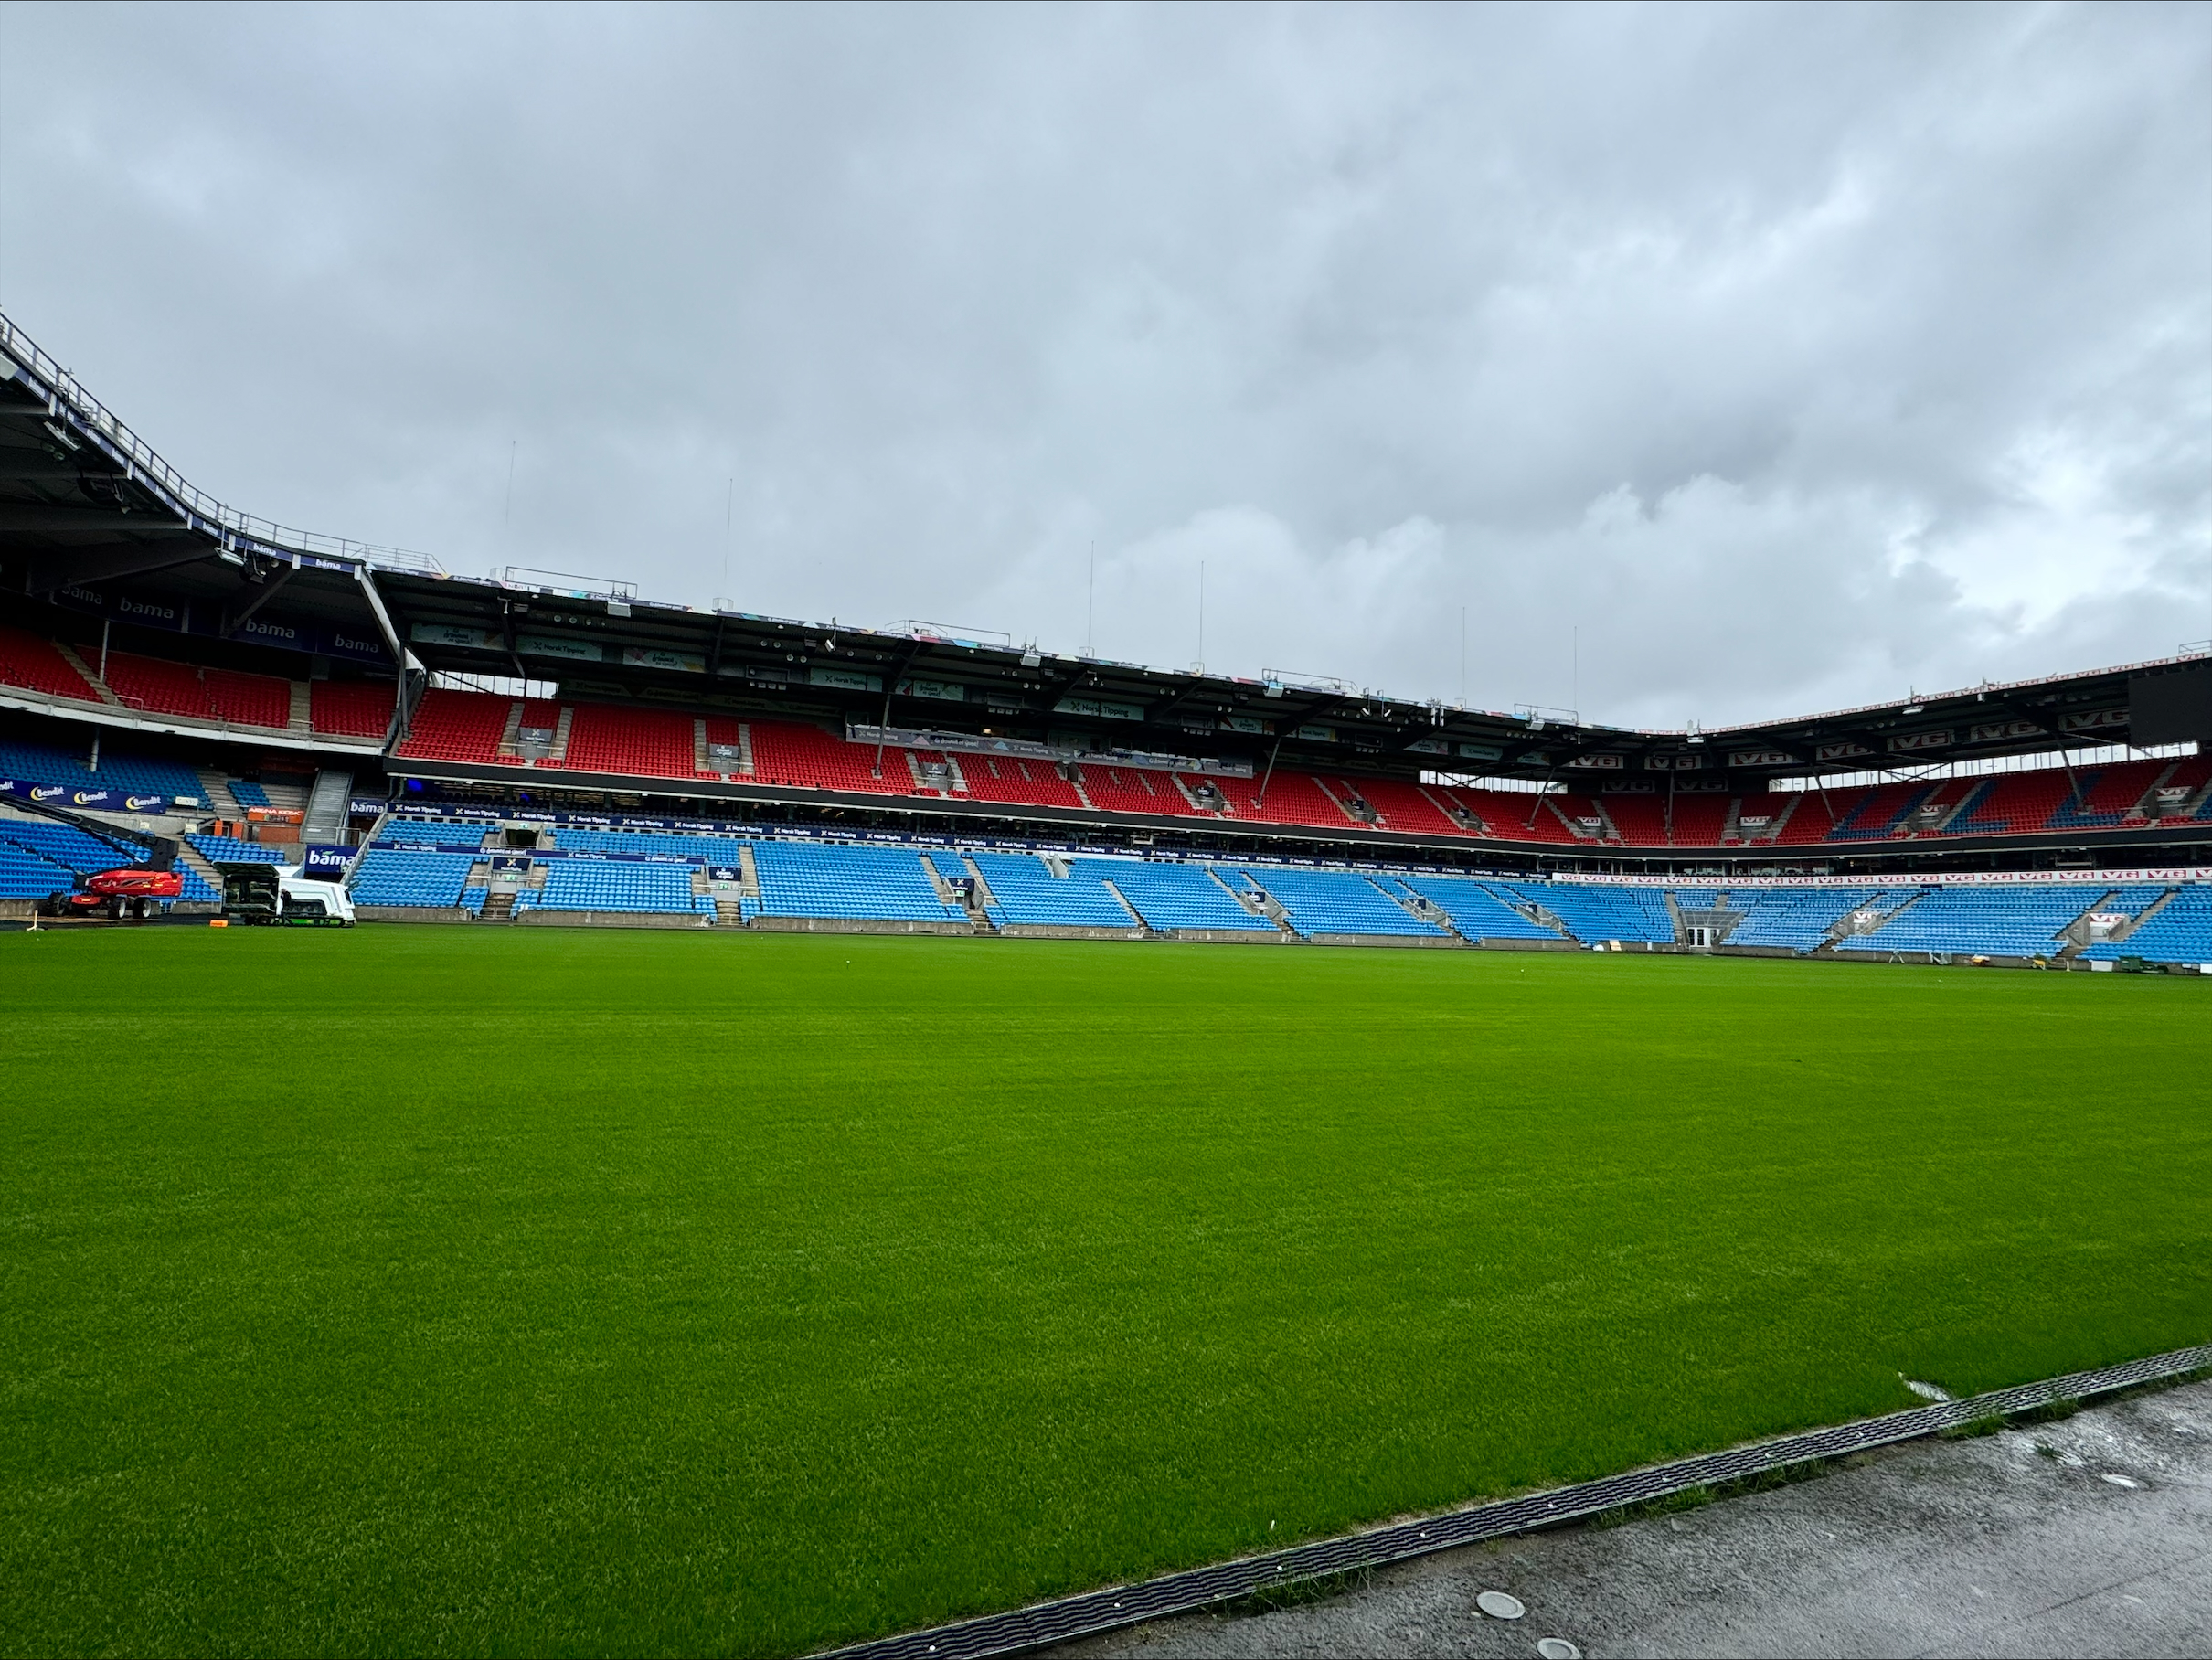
(43, 857)
(1602, 913)
(351, 709)
(1023, 891)
(136, 775)
(659, 844)
(224, 849)
(603, 885)
(2181, 932)
(438, 832)
(1171, 896)
(74, 850)
(1796, 919)
(404, 876)
(160, 686)
(2021, 922)
(889, 884)
(458, 726)
(337, 708)
(883, 883)
(1337, 902)
(1476, 909)
(26, 876)
(71, 847)
(27, 660)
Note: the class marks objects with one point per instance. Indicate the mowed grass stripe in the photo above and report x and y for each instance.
(487, 1291)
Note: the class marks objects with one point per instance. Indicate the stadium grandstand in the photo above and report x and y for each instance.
(524, 749)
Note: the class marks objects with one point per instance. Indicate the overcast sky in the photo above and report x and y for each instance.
(1792, 355)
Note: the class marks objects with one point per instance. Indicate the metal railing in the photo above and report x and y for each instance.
(564, 584)
(66, 398)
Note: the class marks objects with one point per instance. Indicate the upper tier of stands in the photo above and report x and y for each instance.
(654, 743)
(486, 729)
(354, 709)
(27, 660)
(1028, 783)
(351, 709)
(160, 688)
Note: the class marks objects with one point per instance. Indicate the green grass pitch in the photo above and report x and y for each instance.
(453, 1290)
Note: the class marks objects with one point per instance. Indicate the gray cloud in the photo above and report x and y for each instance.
(1787, 355)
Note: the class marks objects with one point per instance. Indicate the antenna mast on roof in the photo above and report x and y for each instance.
(729, 519)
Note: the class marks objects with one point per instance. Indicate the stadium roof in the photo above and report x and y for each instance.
(87, 508)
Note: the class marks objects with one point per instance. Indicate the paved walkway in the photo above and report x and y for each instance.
(2089, 1536)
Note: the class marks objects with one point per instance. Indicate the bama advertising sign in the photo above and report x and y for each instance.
(99, 801)
(327, 863)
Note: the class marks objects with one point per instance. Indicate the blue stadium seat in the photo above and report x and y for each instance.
(1593, 913)
(222, 851)
(437, 832)
(1474, 908)
(847, 882)
(24, 875)
(2022, 922)
(1797, 918)
(652, 844)
(1337, 902)
(1170, 897)
(1025, 892)
(394, 875)
(617, 885)
(2180, 932)
(42, 763)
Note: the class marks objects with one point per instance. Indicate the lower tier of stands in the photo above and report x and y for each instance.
(646, 872)
(42, 856)
(2179, 930)
(137, 775)
(2006, 921)
(879, 884)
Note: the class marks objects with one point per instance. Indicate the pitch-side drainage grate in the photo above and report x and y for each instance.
(1045, 1623)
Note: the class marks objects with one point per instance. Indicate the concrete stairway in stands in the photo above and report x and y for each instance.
(193, 859)
(1262, 904)
(216, 792)
(328, 800)
(69, 655)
